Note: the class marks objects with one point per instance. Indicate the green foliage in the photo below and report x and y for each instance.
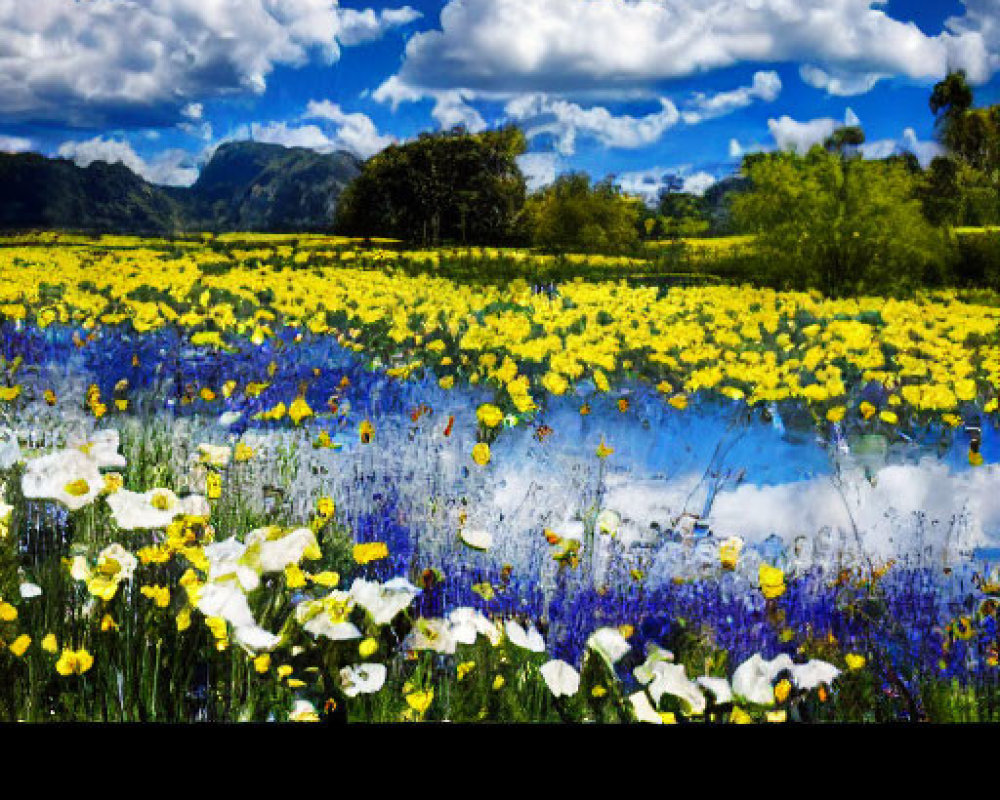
(839, 224)
(448, 186)
(571, 215)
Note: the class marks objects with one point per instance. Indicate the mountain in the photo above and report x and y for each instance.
(245, 186)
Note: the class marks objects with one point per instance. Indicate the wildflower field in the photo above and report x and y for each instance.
(273, 478)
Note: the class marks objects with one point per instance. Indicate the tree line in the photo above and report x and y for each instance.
(827, 219)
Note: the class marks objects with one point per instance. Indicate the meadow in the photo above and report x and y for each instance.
(301, 477)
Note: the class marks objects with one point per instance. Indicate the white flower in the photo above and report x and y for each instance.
(215, 455)
(719, 687)
(609, 644)
(571, 529)
(10, 450)
(226, 599)
(303, 711)
(643, 709)
(754, 678)
(156, 508)
(430, 634)
(561, 678)
(69, 476)
(467, 623)
(230, 418)
(328, 617)
(477, 539)
(225, 559)
(608, 522)
(29, 590)
(528, 640)
(102, 447)
(383, 601)
(270, 553)
(362, 679)
(123, 558)
(813, 673)
(671, 679)
(644, 673)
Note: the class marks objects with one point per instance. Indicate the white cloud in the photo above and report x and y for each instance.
(842, 84)
(168, 168)
(451, 107)
(193, 111)
(790, 134)
(354, 131)
(735, 149)
(648, 183)
(907, 143)
(539, 169)
(562, 46)
(564, 120)
(15, 144)
(84, 63)
(766, 86)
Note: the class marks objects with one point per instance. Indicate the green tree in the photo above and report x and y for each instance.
(572, 215)
(838, 223)
(447, 186)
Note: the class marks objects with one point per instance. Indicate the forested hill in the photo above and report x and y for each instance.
(245, 186)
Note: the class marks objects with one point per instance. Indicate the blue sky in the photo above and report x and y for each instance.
(634, 88)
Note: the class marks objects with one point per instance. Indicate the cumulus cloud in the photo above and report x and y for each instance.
(648, 183)
(15, 144)
(168, 168)
(766, 86)
(352, 131)
(561, 46)
(140, 63)
(540, 169)
(790, 134)
(907, 143)
(565, 120)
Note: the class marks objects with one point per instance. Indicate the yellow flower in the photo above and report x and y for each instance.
(77, 488)
(368, 647)
(295, 578)
(325, 507)
(160, 595)
(481, 454)
(299, 409)
(108, 624)
(213, 486)
(782, 690)
(262, 663)
(74, 662)
(603, 451)
(740, 717)
(498, 683)
(183, 620)
(284, 671)
(729, 552)
(854, 661)
(447, 382)
(772, 581)
(679, 401)
(836, 414)
(7, 612)
(489, 415)
(366, 430)
(889, 417)
(326, 578)
(867, 409)
(20, 645)
(598, 691)
(371, 551)
(242, 452)
(420, 701)
(464, 668)
(49, 643)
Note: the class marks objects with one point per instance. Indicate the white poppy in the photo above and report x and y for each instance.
(123, 558)
(362, 679)
(719, 688)
(527, 640)
(813, 673)
(226, 559)
(643, 709)
(467, 623)
(672, 679)
(328, 617)
(29, 590)
(255, 638)
(644, 673)
(156, 508)
(430, 634)
(753, 679)
(102, 447)
(272, 554)
(226, 599)
(69, 476)
(608, 522)
(609, 644)
(383, 601)
(477, 539)
(303, 711)
(230, 418)
(215, 455)
(561, 678)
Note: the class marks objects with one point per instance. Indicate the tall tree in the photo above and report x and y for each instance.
(449, 186)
